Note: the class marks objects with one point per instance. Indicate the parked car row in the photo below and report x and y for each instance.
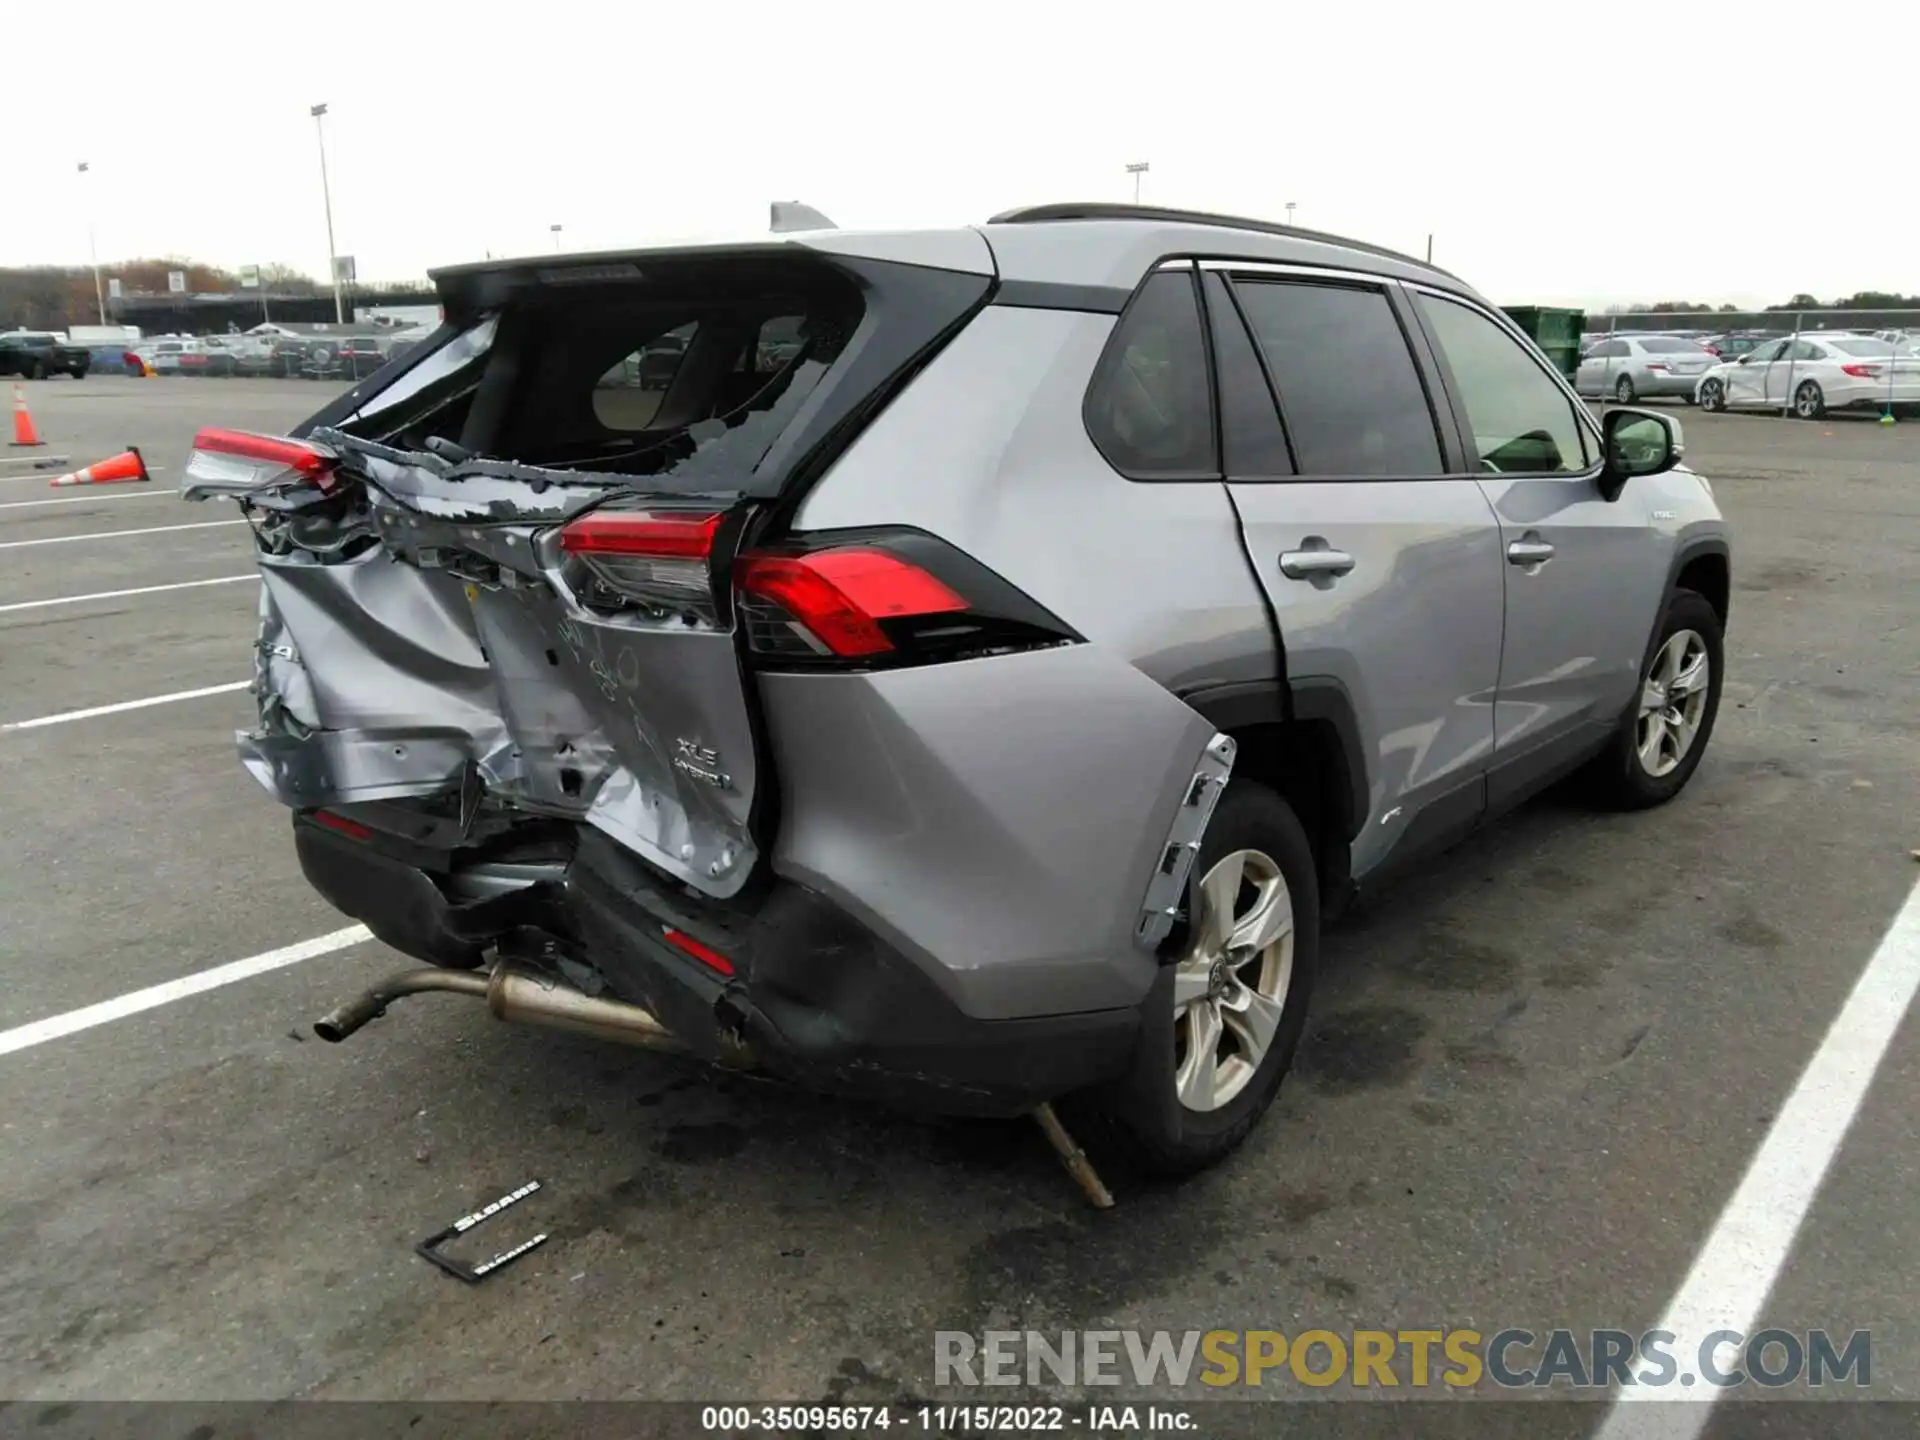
(327, 357)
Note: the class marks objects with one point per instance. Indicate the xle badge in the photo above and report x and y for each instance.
(700, 762)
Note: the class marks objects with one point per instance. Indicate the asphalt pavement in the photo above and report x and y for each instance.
(1533, 1078)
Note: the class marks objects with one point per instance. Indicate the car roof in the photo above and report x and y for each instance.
(1113, 245)
(1079, 244)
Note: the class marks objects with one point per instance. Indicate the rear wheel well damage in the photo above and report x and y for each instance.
(1305, 761)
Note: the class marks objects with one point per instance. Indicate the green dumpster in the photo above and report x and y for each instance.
(1557, 332)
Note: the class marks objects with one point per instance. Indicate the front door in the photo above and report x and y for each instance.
(1581, 578)
(1384, 571)
(1747, 381)
(1789, 369)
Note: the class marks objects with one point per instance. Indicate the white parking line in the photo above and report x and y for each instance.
(97, 710)
(116, 534)
(1736, 1268)
(122, 594)
(54, 1027)
(93, 499)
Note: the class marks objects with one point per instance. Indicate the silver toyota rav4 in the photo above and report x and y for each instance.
(962, 668)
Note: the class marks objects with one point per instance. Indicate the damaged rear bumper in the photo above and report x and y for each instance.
(819, 999)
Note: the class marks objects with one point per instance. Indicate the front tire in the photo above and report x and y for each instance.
(1623, 391)
(1223, 1018)
(1665, 731)
(1809, 403)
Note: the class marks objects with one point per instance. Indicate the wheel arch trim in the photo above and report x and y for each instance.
(1306, 697)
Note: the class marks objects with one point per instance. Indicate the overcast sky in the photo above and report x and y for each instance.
(1558, 152)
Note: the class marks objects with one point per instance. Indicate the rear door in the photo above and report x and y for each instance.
(1596, 373)
(1382, 566)
(1583, 575)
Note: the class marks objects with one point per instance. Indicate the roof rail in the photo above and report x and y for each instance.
(1100, 210)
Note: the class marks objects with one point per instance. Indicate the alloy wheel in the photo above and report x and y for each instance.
(1230, 988)
(1673, 701)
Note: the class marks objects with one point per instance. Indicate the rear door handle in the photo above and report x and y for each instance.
(1305, 564)
(1529, 552)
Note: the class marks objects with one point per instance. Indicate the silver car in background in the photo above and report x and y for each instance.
(1630, 367)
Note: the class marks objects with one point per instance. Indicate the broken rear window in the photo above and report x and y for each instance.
(684, 372)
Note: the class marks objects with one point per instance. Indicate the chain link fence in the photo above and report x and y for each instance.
(1729, 335)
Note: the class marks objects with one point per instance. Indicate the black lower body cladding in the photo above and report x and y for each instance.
(820, 999)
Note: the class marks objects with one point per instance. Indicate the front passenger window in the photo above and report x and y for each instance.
(1522, 422)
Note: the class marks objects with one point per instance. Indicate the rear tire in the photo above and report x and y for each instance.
(1174, 1114)
(35, 371)
(1809, 402)
(1713, 396)
(1658, 745)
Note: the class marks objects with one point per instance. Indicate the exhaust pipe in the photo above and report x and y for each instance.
(517, 994)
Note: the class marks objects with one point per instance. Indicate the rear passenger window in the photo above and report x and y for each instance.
(1150, 407)
(1522, 422)
(1349, 393)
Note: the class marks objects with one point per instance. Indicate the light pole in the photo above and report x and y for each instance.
(556, 238)
(1136, 170)
(99, 294)
(326, 194)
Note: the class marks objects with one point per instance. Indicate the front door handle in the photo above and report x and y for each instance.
(1532, 551)
(1306, 564)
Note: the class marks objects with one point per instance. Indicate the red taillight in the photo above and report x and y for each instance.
(1861, 372)
(653, 558)
(705, 954)
(352, 829)
(840, 596)
(229, 458)
(247, 445)
(1656, 365)
(660, 535)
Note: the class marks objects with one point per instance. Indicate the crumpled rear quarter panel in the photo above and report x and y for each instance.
(997, 820)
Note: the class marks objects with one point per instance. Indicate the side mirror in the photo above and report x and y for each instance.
(1638, 442)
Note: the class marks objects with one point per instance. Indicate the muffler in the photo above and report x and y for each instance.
(524, 996)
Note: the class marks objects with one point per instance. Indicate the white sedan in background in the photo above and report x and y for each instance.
(1814, 375)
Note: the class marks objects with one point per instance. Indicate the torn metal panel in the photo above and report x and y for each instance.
(455, 653)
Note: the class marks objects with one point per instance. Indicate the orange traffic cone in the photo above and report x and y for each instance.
(23, 431)
(117, 470)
